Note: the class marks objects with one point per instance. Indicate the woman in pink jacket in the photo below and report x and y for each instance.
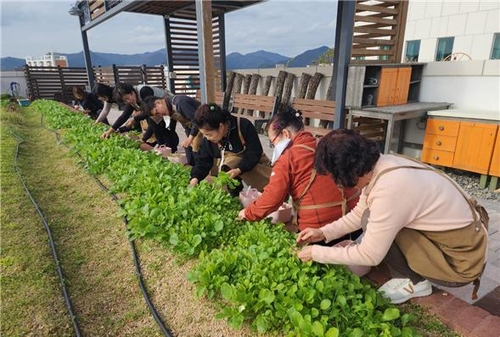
(415, 219)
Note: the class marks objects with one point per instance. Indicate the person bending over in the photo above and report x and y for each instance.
(104, 93)
(316, 198)
(88, 102)
(181, 109)
(131, 96)
(235, 146)
(415, 219)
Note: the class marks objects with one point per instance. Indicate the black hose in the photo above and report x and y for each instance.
(138, 271)
(60, 273)
(135, 256)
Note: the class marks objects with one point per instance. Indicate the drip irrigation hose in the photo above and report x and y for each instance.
(60, 273)
(138, 271)
(135, 256)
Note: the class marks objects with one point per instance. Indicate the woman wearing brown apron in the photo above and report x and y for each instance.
(317, 200)
(179, 108)
(230, 144)
(415, 219)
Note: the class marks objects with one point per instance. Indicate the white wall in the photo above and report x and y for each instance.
(466, 84)
(13, 76)
(469, 85)
(472, 23)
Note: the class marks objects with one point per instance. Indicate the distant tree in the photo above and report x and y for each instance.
(325, 58)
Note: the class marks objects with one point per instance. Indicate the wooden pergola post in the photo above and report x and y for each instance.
(342, 57)
(205, 50)
(170, 60)
(86, 54)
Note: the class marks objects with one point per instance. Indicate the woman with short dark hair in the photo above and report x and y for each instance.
(131, 96)
(417, 220)
(234, 143)
(104, 93)
(88, 102)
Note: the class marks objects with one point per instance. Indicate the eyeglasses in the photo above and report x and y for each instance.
(271, 141)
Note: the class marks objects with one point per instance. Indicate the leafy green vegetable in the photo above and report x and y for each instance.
(250, 268)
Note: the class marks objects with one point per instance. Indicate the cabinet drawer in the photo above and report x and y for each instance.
(437, 157)
(442, 127)
(440, 142)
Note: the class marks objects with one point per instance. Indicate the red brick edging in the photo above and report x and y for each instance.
(458, 315)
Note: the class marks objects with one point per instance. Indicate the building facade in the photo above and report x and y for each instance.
(50, 59)
(452, 30)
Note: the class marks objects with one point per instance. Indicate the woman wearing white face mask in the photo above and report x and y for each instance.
(317, 200)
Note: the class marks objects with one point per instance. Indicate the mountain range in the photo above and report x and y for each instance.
(258, 59)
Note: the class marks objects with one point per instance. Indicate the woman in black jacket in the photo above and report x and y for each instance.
(235, 146)
(164, 134)
(90, 104)
(131, 96)
(178, 108)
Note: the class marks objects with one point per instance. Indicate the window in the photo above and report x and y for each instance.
(444, 48)
(412, 51)
(495, 51)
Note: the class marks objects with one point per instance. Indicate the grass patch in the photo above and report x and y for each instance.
(30, 292)
(90, 240)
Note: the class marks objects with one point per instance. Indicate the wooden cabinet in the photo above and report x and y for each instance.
(383, 85)
(394, 86)
(440, 142)
(461, 144)
(495, 160)
(475, 147)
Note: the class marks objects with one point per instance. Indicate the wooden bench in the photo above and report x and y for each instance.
(219, 98)
(316, 112)
(319, 115)
(256, 108)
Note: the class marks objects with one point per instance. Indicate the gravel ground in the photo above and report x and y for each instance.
(470, 183)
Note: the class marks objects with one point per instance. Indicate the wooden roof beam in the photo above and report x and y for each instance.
(378, 32)
(371, 19)
(379, 9)
(378, 42)
(372, 52)
(367, 46)
(376, 2)
(374, 25)
(373, 36)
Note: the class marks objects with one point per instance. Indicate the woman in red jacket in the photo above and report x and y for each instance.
(317, 200)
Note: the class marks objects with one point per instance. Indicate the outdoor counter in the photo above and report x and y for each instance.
(395, 113)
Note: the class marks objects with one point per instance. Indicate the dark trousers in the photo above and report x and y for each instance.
(190, 154)
(351, 236)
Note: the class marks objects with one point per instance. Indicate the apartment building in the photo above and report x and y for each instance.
(458, 30)
(50, 59)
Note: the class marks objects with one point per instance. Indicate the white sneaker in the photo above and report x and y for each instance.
(400, 290)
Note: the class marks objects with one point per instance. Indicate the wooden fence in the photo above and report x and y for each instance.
(57, 82)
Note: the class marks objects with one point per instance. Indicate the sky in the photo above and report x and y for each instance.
(286, 27)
